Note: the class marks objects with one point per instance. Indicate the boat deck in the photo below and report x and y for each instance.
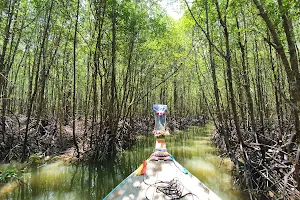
(160, 176)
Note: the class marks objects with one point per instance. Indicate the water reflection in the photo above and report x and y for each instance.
(191, 148)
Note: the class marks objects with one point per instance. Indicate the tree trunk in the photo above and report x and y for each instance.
(292, 68)
(216, 89)
(247, 81)
(74, 80)
(240, 103)
(3, 66)
(278, 107)
(295, 84)
(113, 119)
(260, 101)
(229, 74)
(128, 74)
(32, 96)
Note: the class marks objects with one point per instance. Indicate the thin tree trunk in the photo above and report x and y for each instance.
(260, 102)
(292, 68)
(294, 85)
(74, 79)
(126, 91)
(240, 92)
(229, 74)
(87, 100)
(32, 96)
(113, 67)
(44, 76)
(276, 96)
(247, 81)
(3, 65)
(216, 89)
(231, 92)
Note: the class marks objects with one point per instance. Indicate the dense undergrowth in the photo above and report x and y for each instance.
(52, 138)
(265, 169)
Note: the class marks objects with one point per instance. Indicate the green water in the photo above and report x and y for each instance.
(191, 148)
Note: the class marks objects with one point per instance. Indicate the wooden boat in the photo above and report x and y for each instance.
(161, 176)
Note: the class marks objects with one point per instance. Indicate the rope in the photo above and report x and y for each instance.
(173, 189)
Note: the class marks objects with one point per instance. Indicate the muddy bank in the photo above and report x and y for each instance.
(95, 140)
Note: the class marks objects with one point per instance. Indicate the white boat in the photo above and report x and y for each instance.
(161, 176)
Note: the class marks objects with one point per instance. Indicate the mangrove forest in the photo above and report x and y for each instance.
(78, 79)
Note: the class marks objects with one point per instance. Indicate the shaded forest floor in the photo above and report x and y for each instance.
(266, 168)
(50, 138)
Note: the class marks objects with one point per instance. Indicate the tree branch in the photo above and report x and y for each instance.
(221, 53)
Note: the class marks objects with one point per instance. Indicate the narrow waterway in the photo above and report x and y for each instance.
(191, 148)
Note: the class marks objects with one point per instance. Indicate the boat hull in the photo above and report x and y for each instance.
(163, 174)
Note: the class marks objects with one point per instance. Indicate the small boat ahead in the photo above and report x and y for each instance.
(161, 176)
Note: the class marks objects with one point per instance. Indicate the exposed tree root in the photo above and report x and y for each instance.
(95, 141)
(268, 171)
